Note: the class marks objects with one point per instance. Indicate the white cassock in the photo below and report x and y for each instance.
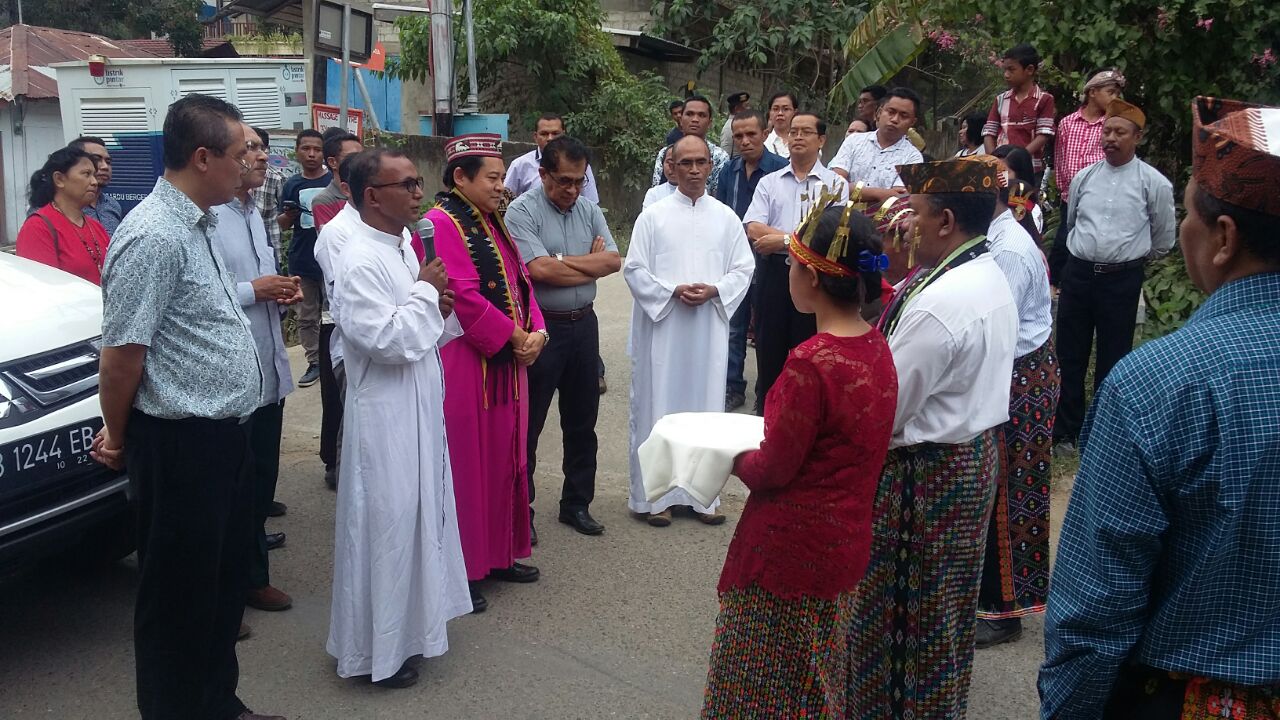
(398, 572)
(330, 243)
(680, 354)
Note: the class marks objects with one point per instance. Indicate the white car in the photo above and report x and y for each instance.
(52, 494)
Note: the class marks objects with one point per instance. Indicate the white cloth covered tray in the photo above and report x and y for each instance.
(695, 451)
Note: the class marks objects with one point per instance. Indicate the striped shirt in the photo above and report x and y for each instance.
(1017, 122)
(1169, 550)
(1077, 146)
(1027, 272)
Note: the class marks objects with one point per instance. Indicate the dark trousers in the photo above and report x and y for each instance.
(569, 364)
(195, 534)
(736, 381)
(330, 403)
(264, 443)
(1091, 302)
(1058, 254)
(779, 326)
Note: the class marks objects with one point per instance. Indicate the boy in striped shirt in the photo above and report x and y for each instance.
(1023, 114)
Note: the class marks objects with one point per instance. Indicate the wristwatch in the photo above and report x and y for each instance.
(560, 257)
(546, 336)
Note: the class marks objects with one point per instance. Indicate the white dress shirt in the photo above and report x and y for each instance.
(1027, 273)
(866, 161)
(777, 144)
(953, 347)
(656, 193)
(783, 198)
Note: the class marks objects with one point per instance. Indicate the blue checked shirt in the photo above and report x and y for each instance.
(1170, 553)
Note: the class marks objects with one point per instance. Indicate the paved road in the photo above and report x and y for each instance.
(618, 627)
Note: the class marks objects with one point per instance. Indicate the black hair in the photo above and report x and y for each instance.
(905, 93)
(701, 99)
(751, 115)
(1257, 230)
(197, 121)
(674, 104)
(1024, 54)
(470, 166)
(552, 117)
(973, 123)
(83, 140)
(877, 91)
(863, 288)
(822, 124)
(973, 210)
(563, 148)
(309, 133)
(42, 189)
(344, 168)
(1018, 161)
(364, 166)
(333, 144)
(264, 137)
(1028, 222)
(329, 132)
(795, 103)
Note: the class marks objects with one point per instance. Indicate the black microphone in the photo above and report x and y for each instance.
(427, 234)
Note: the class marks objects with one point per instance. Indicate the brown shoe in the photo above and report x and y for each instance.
(269, 599)
(711, 518)
(250, 715)
(661, 519)
(244, 632)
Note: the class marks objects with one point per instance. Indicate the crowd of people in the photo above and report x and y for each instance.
(910, 379)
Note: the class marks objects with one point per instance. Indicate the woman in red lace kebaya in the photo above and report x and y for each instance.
(803, 541)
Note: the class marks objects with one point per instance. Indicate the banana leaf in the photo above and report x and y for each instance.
(881, 62)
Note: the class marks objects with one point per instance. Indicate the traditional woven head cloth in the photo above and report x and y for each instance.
(1132, 113)
(473, 145)
(1235, 152)
(950, 176)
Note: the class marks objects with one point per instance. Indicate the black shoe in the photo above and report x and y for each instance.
(604, 386)
(309, 377)
(331, 478)
(533, 535)
(403, 678)
(733, 401)
(581, 521)
(276, 509)
(478, 603)
(990, 633)
(275, 540)
(517, 573)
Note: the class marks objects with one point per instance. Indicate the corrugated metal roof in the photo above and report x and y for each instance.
(162, 48)
(27, 51)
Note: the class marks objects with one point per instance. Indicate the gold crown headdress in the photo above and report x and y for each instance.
(800, 245)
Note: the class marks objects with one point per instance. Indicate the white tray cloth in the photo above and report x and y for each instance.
(695, 451)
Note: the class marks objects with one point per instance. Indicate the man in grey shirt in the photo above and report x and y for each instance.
(567, 246)
(241, 240)
(1121, 215)
(179, 378)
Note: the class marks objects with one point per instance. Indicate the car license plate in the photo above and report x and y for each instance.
(47, 456)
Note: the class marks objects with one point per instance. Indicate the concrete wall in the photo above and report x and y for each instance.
(40, 123)
(621, 205)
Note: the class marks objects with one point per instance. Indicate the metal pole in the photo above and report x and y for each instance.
(442, 65)
(369, 111)
(473, 95)
(346, 64)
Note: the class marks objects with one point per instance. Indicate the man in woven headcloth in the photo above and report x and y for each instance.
(1121, 216)
(1165, 600)
(952, 329)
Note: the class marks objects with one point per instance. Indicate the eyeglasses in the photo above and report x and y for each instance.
(409, 184)
(693, 163)
(569, 182)
(802, 132)
(255, 147)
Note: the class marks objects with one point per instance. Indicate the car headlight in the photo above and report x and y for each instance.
(15, 406)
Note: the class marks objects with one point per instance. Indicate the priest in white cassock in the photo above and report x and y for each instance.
(689, 267)
(398, 573)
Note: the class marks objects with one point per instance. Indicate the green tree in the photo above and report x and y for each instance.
(801, 42)
(551, 56)
(120, 19)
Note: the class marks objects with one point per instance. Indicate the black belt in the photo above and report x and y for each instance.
(1105, 268)
(569, 315)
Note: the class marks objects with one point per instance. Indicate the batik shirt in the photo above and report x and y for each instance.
(719, 159)
(1169, 550)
